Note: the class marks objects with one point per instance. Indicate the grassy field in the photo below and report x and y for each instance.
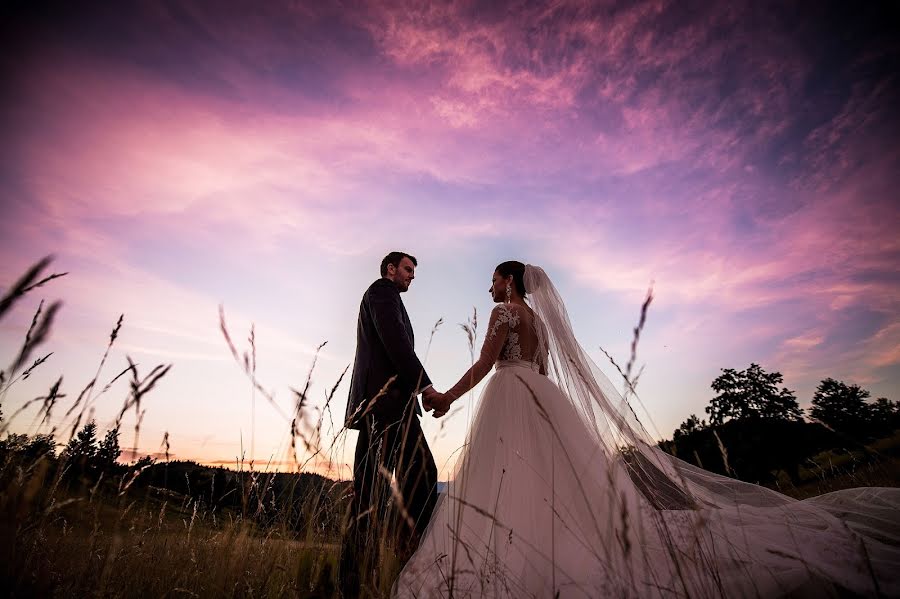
(70, 530)
(91, 541)
(831, 471)
(60, 539)
(69, 534)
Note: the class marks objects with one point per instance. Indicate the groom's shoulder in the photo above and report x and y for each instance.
(379, 287)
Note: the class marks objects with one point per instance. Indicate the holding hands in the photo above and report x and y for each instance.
(439, 402)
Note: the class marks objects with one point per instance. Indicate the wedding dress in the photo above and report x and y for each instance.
(560, 492)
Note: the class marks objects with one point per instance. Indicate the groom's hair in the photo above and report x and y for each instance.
(395, 258)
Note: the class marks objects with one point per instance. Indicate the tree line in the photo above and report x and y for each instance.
(83, 452)
(754, 393)
(756, 426)
(290, 499)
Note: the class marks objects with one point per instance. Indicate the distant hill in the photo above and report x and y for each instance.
(293, 499)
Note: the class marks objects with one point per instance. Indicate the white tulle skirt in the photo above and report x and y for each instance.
(538, 508)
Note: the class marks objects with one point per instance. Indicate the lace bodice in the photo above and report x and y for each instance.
(520, 341)
(512, 334)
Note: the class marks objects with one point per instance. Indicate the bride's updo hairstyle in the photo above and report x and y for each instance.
(517, 270)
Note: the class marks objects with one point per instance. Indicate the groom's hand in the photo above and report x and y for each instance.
(428, 396)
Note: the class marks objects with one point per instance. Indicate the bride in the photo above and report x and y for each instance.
(560, 492)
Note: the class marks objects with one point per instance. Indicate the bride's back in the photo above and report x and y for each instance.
(522, 341)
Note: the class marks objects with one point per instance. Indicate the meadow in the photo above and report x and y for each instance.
(74, 523)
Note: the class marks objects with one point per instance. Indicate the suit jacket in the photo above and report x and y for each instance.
(384, 348)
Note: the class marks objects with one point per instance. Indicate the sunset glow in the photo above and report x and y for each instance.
(743, 160)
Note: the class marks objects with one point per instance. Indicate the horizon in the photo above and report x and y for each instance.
(741, 160)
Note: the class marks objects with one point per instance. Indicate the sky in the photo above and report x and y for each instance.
(175, 157)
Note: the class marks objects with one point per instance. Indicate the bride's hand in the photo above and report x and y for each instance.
(441, 404)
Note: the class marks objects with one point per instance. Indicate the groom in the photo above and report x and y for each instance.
(387, 377)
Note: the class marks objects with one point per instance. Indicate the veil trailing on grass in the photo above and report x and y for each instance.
(744, 527)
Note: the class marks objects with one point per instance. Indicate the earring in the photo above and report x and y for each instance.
(508, 293)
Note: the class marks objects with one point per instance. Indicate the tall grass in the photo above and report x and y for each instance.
(68, 531)
(133, 532)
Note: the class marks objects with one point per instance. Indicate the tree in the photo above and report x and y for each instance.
(13, 443)
(109, 451)
(842, 407)
(29, 449)
(751, 393)
(885, 415)
(42, 445)
(82, 447)
(689, 426)
(845, 409)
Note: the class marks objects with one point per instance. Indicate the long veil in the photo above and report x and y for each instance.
(606, 413)
(712, 533)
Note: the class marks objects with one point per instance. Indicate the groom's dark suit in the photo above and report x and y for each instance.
(387, 377)
(384, 349)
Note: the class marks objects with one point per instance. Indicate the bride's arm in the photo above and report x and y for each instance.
(498, 330)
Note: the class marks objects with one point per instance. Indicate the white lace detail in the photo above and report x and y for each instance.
(506, 315)
(512, 351)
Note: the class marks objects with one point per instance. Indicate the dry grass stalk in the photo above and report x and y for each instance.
(637, 332)
(48, 401)
(299, 409)
(434, 329)
(470, 327)
(724, 453)
(85, 396)
(37, 333)
(318, 428)
(245, 366)
(28, 282)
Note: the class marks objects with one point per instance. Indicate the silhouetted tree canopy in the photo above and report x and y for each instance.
(689, 426)
(756, 427)
(31, 448)
(109, 451)
(844, 408)
(886, 414)
(83, 446)
(751, 393)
